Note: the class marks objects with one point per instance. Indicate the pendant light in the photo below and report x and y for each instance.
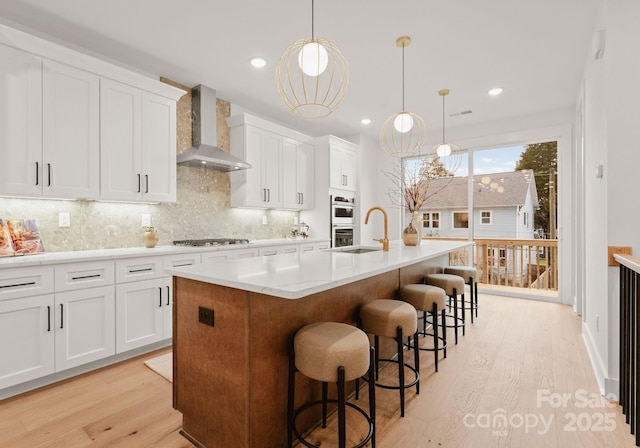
(312, 76)
(449, 155)
(404, 133)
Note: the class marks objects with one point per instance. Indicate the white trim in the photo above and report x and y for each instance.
(594, 355)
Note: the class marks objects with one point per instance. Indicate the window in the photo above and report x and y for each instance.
(460, 220)
(485, 217)
(431, 220)
(526, 220)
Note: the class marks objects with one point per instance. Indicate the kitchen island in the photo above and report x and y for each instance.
(234, 324)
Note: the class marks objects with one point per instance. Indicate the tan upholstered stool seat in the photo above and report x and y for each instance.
(466, 272)
(448, 282)
(422, 297)
(383, 317)
(322, 347)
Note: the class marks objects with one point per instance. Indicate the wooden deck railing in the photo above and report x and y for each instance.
(512, 262)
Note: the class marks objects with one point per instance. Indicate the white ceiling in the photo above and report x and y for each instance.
(534, 49)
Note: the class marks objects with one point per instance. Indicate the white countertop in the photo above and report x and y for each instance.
(47, 258)
(293, 276)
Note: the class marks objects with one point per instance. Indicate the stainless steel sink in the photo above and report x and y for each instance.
(357, 250)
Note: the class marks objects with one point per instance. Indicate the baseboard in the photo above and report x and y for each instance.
(612, 388)
(85, 368)
(596, 361)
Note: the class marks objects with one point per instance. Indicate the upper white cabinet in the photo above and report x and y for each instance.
(342, 165)
(70, 133)
(138, 157)
(297, 175)
(20, 123)
(57, 119)
(281, 174)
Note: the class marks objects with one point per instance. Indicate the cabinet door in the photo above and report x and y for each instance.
(158, 148)
(84, 326)
(290, 191)
(121, 142)
(71, 133)
(20, 123)
(305, 175)
(139, 313)
(336, 178)
(255, 191)
(349, 170)
(26, 339)
(272, 153)
(167, 312)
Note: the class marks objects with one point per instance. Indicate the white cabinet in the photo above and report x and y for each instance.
(71, 132)
(26, 339)
(342, 165)
(259, 186)
(281, 175)
(297, 175)
(20, 123)
(311, 247)
(84, 326)
(218, 255)
(138, 138)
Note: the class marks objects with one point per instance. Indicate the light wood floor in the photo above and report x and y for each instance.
(515, 351)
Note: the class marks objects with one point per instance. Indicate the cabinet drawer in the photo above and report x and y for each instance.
(24, 282)
(73, 276)
(176, 261)
(293, 249)
(267, 251)
(134, 269)
(219, 255)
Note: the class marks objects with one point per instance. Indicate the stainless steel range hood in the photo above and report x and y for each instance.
(204, 152)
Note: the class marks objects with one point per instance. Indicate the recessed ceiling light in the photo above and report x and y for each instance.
(495, 91)
(258, 62)
(365, 121)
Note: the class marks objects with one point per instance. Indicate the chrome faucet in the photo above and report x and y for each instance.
(385, 240)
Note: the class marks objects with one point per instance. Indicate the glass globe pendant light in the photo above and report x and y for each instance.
(449, 155)
(312, 76)
(404, 133)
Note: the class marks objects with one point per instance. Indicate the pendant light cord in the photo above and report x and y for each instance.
(313, 36)
(403, 77)
(443, 140)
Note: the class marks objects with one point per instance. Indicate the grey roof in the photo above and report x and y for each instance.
(490, 190)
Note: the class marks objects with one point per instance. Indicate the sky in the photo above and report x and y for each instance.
(492, 161)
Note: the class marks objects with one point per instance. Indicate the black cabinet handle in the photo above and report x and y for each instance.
(138, 183)
(48, 318)
(15, 285)
(160, 290)
(146, 181)
(61, 315)
(48, 174)
(168, 294)
(268, 194)
(37, 173)
(82, 277)
(132, 271)
(301, 198)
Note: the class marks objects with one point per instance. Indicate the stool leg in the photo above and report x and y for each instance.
(342, 422)
(416, 359)
(400, 369)
(325, 397)
(292, 379)
(475, 292)
(464, 325)
(434, 313)
(424, 322)
(471, 298)
(444, 331)
(376, 344)
(455, 314)
(372, 396)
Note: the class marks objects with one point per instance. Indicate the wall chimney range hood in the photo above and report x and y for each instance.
(204, 152)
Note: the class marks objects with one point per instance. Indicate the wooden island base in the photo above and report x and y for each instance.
(230, 380)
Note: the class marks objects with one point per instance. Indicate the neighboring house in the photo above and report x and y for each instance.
(504, 204)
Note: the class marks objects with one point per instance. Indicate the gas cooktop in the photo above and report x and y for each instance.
(211, 242)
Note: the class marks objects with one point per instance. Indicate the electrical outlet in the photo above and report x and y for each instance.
(264, 220)
(64, 219)
(146, 220)
(205, 315)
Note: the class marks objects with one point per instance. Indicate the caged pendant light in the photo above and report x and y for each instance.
(312, 76)
(404, 133)
(449, 155)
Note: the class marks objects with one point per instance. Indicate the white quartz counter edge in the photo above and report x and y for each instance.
(48, 258)
(293, 276)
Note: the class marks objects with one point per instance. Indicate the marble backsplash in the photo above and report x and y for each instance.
(202, 211)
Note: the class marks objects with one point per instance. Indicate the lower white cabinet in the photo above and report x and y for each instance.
(143, 313)
(84, 326)
(26, 339)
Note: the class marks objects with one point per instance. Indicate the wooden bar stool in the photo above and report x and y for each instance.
(331, 352)
(470, 276)
(428, 299)
(393, 319)
(452, 285)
